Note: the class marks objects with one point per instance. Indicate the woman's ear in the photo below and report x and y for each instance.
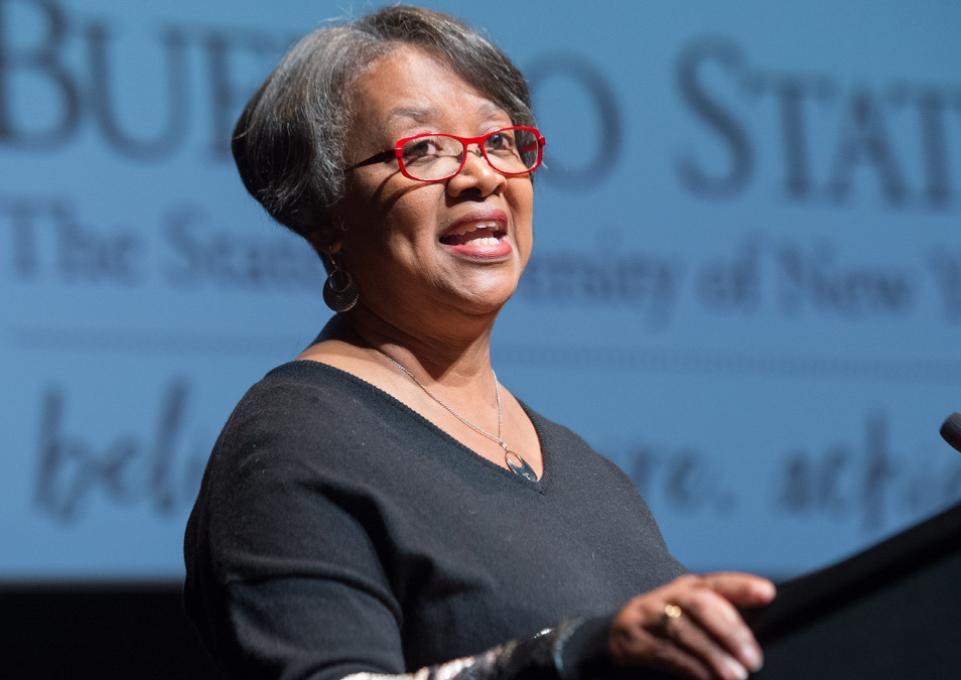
(326, 239)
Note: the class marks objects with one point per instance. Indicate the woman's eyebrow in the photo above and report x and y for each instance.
(488, 106)
(417, 114)
(429, 113)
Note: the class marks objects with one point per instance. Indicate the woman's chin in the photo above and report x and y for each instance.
(484, 299)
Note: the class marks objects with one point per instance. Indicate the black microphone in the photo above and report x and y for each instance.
(951, 431)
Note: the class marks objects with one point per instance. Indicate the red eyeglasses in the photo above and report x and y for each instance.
(438, 156)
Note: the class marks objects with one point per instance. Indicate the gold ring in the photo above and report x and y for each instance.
(672, 612)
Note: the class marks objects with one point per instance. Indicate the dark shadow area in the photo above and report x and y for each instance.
(105, 631)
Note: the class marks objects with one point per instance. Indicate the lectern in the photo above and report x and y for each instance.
(891, 611)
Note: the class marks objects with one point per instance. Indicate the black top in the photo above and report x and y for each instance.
(337, 531)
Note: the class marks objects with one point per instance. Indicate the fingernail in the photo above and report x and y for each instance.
(767, 589)
(739, 671)
(753, 657)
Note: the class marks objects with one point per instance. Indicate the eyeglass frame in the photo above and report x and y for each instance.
(397, 152)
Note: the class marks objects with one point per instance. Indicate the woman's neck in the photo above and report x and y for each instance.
(458, 356)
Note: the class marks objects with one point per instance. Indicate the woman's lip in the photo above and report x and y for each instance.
(485, 251)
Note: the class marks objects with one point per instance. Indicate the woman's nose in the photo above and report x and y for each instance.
(477, 174)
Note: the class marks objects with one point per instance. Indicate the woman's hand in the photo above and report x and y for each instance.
(691, 627)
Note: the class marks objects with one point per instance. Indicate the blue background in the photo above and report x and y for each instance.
(746, 287)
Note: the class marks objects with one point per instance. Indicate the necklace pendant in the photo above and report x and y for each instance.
(519, 466)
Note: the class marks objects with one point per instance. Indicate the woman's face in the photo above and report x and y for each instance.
(417, 249)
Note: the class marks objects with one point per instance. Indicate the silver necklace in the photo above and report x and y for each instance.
(515, 461)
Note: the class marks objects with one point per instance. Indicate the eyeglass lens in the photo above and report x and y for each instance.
(435, 157)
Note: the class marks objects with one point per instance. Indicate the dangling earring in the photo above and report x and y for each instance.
(340, 291)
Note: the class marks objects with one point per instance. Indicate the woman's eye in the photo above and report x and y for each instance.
(500, 141)
(424, 149)
(420, 148)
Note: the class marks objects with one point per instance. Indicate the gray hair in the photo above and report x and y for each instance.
(289, 141)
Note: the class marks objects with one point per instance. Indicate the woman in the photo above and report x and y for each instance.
(383, 505)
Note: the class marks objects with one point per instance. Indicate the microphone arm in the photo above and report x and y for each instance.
(951, 431)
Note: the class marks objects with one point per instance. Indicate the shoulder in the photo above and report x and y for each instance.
(298, 407)
(303, 428)
(302, 389)
(287, 460)
(284, 509)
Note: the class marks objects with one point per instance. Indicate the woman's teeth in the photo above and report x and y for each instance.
(484, 241)
(468, 228)
(479, 235)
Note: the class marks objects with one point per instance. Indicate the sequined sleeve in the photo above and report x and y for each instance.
(564, 652)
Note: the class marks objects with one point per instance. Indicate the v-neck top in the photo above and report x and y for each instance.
(338, 531)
